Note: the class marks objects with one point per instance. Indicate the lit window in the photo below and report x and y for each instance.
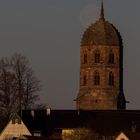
(96, 78)
(111, 79)
(37, 133)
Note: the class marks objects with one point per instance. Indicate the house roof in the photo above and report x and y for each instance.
(39, 138)
(102, 120)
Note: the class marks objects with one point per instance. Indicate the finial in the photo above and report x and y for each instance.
(102, 11)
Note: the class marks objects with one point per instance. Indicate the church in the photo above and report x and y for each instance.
(101, 67)
(100, 103)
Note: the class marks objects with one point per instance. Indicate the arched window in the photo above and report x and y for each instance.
(96, 78)
(84, 80)
(111, 57)
(97, 57)
(85, 58)
(111, 79)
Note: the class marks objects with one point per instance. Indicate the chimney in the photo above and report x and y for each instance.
(32, 113)
(133, 127)
(48, 110)
(78, 112)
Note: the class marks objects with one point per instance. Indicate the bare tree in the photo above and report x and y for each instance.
(7, 88)
(27, 84)
(32, 86)
(18, 85)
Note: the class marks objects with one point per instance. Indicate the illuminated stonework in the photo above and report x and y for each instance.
(101, 67)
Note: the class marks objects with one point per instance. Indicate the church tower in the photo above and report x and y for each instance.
(101, 67)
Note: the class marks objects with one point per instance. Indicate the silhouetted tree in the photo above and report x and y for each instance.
(7, 89)
(26, 83)
(19, 86)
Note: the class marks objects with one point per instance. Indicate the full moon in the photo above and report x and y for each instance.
(89, 14)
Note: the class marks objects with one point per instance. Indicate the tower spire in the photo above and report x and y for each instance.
(102, 11)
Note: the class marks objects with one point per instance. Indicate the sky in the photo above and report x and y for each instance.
(48, 33)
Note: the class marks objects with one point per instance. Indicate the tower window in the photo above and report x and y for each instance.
(111, 57)
(111, 79)
(85, 58)
(84, 80)
(97, 78)
(97, 57)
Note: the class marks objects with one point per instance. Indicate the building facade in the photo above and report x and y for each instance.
(101, 67)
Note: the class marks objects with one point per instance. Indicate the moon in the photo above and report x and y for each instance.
(89, 14)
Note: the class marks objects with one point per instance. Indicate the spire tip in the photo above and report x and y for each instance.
(102, 10)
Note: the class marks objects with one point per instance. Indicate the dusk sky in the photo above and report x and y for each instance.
(48, 33)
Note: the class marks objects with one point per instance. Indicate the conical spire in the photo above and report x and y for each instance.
(102, 11)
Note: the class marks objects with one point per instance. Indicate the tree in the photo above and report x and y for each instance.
(7, 89)
(27, 84)
(19, 86)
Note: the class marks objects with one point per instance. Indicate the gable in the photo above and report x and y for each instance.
(14, 128)
(122, 136)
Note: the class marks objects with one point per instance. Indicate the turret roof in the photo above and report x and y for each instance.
(101, 33)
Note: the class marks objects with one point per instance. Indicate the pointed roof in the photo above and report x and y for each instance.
(101, 33)
(102, 11)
